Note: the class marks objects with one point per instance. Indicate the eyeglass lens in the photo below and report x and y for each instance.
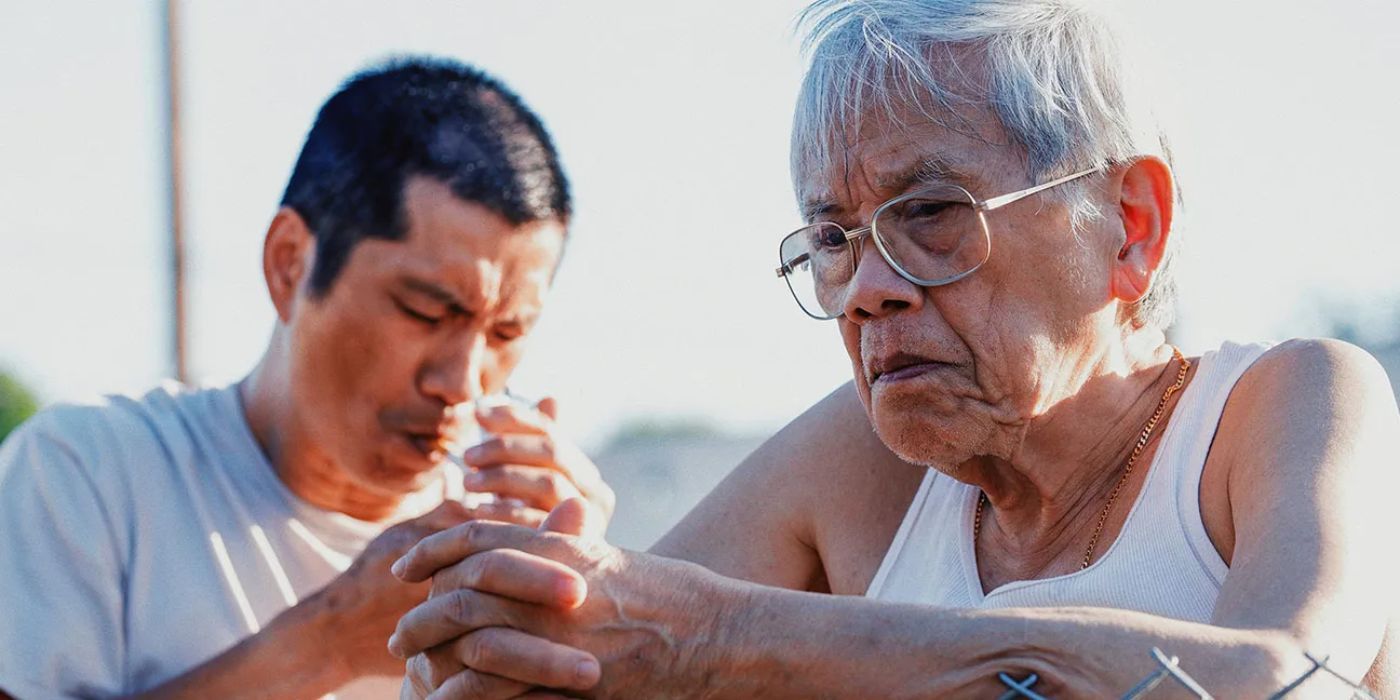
(933, 235)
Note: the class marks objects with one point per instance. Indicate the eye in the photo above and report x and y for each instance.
(417, 315)
(509, 334)
(827, 236)
(922, 209)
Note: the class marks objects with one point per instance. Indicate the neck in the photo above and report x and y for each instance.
(304, 466)
(1049, 492)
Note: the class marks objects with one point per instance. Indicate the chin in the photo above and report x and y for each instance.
(928, 435)
(401, 477)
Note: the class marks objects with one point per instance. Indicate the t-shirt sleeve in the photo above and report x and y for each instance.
(61, 571)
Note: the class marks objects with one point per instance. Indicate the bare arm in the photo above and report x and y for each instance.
(1307, 482)
(1309, 447)
(290, 659)
(764, 522)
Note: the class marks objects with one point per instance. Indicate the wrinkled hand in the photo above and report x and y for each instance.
(360, 607)
(518, 609)
(531, 465)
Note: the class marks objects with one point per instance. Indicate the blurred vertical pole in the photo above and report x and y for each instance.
(179, 335)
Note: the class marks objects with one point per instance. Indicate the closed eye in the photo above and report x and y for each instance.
(417, 315)
(507, 334)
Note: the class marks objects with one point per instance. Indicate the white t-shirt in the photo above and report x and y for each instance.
(140, 538)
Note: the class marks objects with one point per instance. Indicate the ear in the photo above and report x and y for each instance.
(288, 254)
(1146, 198)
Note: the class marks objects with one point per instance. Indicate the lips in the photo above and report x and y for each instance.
(900, 365)
(432, 440)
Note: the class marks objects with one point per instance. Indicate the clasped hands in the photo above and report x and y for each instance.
(553, 612)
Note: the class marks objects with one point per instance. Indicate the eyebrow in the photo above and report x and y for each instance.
(928, 170)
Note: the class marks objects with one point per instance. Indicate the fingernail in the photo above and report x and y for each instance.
(398, 567)
(473, 479)
(394, 645)
(471, 453)
(586, 674)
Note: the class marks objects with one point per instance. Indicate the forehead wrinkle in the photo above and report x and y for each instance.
(927, 170)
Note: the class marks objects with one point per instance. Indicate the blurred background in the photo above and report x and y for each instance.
(672, 347)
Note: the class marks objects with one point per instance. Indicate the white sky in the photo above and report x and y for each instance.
(672, 120)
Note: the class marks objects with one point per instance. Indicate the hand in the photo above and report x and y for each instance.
(358, 609)
(534, 607)
(441, 668)
(531, 465)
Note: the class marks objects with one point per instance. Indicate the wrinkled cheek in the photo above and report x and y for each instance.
(850, 338)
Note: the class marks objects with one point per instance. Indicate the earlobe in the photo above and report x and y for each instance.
(1145, 210)
(288, 252)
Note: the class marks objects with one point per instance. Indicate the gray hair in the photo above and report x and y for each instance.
(1055, 79)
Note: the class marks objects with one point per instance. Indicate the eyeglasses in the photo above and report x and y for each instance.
(931, 237)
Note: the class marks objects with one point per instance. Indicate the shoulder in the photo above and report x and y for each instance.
(106, 447)
(796, 508)
(831, 449)
(1309, 413)
(1322, 384)
(99, 430)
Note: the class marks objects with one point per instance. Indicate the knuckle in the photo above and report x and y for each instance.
(483, 568)
(472, 533)
(473, 684)
(459, 606)
(437, 667)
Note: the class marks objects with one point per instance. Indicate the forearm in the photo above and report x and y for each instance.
(288, 660)
(785, 644)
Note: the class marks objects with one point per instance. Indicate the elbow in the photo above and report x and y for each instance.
(1274, 660)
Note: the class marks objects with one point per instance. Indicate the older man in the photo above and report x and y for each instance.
(991, 227)
(231, 542)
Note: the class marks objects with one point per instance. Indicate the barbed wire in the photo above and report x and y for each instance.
(1169, 668)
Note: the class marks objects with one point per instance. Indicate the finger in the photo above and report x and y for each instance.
(452, 545)
(575, 517)
(513, 654)
(435, 666)
(417, 679)
(516, 575)
(473, 685)
(539, 487)
(532, 449)
(448, 616)
(512, 418)
(447, 514)
(549, 406)
(510, 512)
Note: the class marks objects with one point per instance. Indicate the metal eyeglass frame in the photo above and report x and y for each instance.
(981, 206)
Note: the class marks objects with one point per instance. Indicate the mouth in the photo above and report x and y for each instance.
(430, 445)
(901, 366)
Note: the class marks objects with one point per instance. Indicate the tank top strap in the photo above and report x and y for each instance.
(1190, 442)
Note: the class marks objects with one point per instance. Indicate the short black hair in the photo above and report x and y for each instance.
(419, 116)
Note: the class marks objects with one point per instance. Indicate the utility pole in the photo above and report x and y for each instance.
(176, 194)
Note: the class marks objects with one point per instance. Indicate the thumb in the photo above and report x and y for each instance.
(574, 517)
(549, 406)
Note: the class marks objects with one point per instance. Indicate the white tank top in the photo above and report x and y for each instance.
(1161, 563)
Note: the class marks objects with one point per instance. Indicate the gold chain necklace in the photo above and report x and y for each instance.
(1127, 468)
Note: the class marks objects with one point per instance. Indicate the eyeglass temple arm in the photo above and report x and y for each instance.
(1003, 200)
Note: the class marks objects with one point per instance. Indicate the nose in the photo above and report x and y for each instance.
(875, 289)
(454, 376)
